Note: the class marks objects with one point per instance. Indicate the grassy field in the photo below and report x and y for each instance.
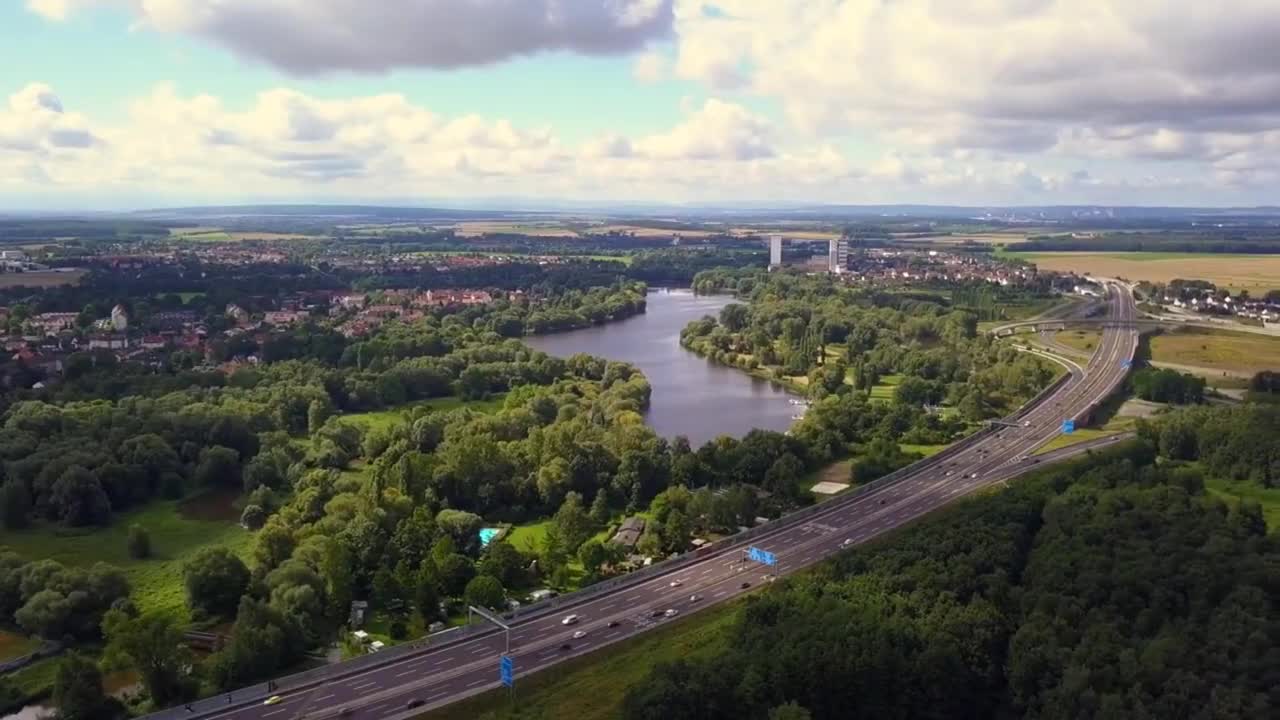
(1235, 491)
(178, 529)
(40, 278)
(592, 686)
(528, 537)
(1086, 341)
(385, 418)
(925, 450)
(886, 387)
(1220, 350)
(1255, 273)
(13, 645)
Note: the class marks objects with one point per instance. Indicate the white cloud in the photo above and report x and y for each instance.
(285, 144)
(1015, 76)
(315, 36)
(650, 67)
(718, 130)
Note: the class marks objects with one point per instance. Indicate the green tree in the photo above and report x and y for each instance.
(139, 542)
(219, 466)
(573, 522)
(790, 711)
(485, 591)
(215, 579)
(426, 592)
(77, 690)
(253, 517)
(77, 498)
(15, 505)
(600, 509)
(153, 645)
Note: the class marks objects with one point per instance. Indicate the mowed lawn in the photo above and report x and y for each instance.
(1255, 273)
(1237, 352)
(177, 528)
(592, 686)
(386, 418)
(885, 389)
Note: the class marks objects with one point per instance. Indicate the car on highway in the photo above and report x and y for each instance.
(566, 646)
(694, 598)
(580, 634)
(767, 578)
(656, 613)
(745, 585)
(344, 712)
(849, 541)
(881, 501)
(676, 583)
(614, 623)
(570, 620)
(415, 703)
(274, 699)
(671, 612)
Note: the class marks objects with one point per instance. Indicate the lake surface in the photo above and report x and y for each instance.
(691, 396)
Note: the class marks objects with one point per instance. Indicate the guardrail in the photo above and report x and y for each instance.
(327, 673)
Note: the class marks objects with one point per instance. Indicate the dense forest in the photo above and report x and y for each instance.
(1109, 588)
(828, 338)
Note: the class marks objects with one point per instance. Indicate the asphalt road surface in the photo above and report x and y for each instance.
(437, 676)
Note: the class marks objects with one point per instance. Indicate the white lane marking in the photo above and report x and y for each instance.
(275, 712)
(480, 650)
(363, 685)
(633, 598)
(322, 697)
(477, 681)
(406, 673)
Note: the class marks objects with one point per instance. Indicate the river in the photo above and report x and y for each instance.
(691, 395)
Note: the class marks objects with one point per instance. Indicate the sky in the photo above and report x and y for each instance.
(119, 104)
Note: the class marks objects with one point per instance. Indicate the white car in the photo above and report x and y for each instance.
(671, 612)
(580, 634)
(569, 620)
(676, 583)
(847, 542)
(693, 598)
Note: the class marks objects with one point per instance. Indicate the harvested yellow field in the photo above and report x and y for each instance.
(1255, 273)
(40, 278)
(641, 231)
(1220, 350)
(199, 230)
(252, 235)
(476, 229)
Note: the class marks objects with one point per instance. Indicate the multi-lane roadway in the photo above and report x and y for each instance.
(435, 676)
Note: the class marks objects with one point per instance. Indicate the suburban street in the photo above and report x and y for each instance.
(447, 672)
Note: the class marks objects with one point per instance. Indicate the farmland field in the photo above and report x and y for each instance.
(40, 278)
(1221, 350)
(1255, 273)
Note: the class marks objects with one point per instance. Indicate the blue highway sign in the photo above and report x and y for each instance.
(1126, 364)
(1068, 426)
(507, 670)
(761, 556)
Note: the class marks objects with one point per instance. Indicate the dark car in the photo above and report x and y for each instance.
(745, 585)
(566, 646)
(881, 501)
(656, 613)
(614, 623)
(415, 703)
(345, 711)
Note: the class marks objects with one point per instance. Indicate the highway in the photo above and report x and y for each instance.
(449, 671)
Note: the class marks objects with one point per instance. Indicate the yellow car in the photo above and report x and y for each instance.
(272, 700)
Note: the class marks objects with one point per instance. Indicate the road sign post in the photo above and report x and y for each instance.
(1068, 426)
